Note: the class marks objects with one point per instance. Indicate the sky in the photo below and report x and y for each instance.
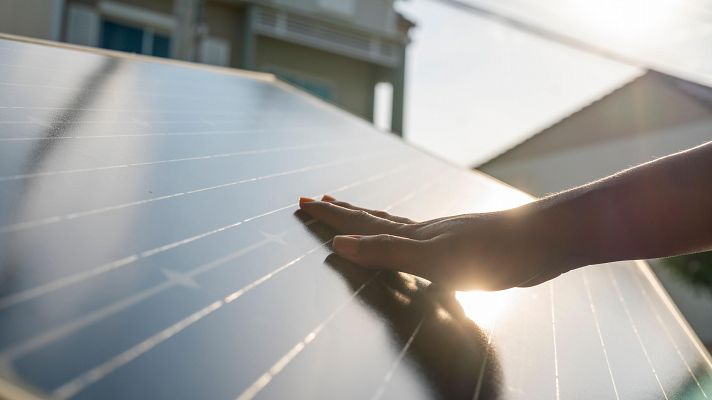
(475, 87)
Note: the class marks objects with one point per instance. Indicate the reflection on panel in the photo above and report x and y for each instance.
(150, 247)
(671, 36)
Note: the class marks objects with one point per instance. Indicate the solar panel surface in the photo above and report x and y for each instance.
(668, 36)
(150, 248)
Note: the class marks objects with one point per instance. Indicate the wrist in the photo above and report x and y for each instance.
(561, 240)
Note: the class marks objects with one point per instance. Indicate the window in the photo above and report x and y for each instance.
(315, 86)
(117, 36)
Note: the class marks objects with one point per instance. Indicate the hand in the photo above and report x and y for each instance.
(490, 251)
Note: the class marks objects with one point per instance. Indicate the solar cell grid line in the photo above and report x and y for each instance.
(576, 330)
(529, 348)
(127, 110)
(74, 386)
(267, 377)
(19, 112)
(277, 367)
(464, 205)
(20, 99)
(663, 297)
(189, 113)
(369, 179)
(27, 294)
(53, 334)
(633, 325)
(225, 132)
(664, 352)
(79, 214)
(265, 144)
(136, 121)
(450, 209)
(666, 330)
(126, 120)
(552, 299)
(146, 74)
(381, 389)
(524, 347)
(280, 364)
(98, 55)
(598, 331)
(16, 97)
(131, 204)
(631, 370)
(133, 121)
(157, 162)
(71, 388)
(144, 94)
(141, 65)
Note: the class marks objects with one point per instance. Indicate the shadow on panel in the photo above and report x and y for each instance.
(449, 350)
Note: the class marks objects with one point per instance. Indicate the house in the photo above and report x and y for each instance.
(339, 50)
(651, 116)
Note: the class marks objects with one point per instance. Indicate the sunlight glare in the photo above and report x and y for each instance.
(630, 20)
(485, 308)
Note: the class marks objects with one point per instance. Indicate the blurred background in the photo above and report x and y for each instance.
(543, 95)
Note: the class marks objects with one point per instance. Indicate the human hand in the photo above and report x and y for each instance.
(490, 251)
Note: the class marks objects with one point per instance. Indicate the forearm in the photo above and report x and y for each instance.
(657, 209)
(661, 208)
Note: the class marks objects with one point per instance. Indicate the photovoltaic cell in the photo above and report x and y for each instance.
(150, 248)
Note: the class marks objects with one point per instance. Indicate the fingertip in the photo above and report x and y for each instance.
(304, 200)
(346, 245)
(326, 197)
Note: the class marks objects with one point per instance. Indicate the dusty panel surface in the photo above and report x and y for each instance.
(150, 247)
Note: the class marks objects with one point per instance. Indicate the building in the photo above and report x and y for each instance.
(649, 117)
(338, 50)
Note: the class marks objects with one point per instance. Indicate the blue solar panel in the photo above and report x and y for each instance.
(150, 247)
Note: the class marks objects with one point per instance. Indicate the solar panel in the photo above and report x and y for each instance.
(151, 248)
(667, 36)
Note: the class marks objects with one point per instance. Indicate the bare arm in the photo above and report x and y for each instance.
(661, 208)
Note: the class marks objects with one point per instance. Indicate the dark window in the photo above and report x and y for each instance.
(161, 46)
(321, 90)
(117, 36)
(121, 37)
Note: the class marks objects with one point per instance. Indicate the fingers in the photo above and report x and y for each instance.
(350, 221)
(377, 213)
(384, 251)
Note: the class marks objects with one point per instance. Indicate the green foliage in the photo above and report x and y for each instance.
(695, 269)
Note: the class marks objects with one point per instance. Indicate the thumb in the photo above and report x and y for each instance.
(385, 251)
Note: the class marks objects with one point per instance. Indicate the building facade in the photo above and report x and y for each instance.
(338, 50)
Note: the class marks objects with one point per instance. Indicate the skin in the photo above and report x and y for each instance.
(661, 208)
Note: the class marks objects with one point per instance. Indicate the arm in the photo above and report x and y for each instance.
(661, 208)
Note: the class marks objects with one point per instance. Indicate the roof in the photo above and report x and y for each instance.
(651, 82)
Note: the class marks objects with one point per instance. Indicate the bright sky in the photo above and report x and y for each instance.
(475, 87)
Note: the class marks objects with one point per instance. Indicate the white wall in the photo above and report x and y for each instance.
(376, 16)
(564, 169)
(34, 18)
